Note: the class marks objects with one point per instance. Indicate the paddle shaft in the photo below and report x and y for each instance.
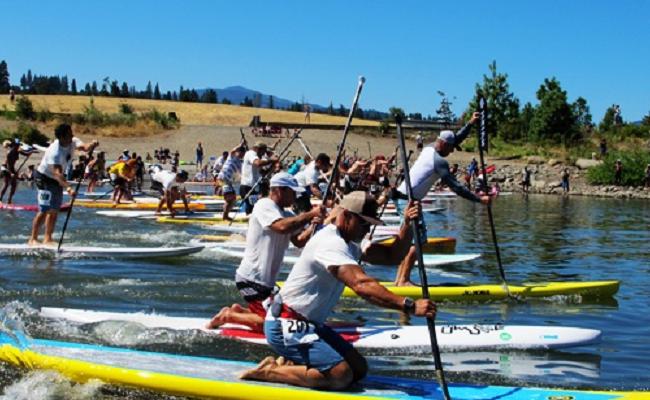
(304, 147)
(76, 192)
(482, 133)
(341, 146)
(423, 274)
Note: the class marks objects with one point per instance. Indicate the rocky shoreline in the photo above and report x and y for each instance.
(545, 179)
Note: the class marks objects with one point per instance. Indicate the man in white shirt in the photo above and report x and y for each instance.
(294, 327)
(308, 178)
(430, 166)
(270, 228)
(250, 175)
(50, 180)
(170, 190)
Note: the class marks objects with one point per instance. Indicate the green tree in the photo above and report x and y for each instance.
(25, 108)
(646, 119)
(271, 102)
(503, 106)
(156, 92)
(554, 119)
(115, 89)
(525, 118)
(124, 91)
(396, 111)
(330, 109)
(73, 87)
(581, 112)
(608, 120)
(209, 96)
(148, 92)
(5, 86)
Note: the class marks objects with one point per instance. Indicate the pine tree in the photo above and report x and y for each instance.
(30, 80)
(73, 87)
(156, 92)
(148, 93)
(65, 89)
(554, 119)
(271, 102)
(125, 90)
(23, 82)
(93, 89)
(87, 90)
(4, 77)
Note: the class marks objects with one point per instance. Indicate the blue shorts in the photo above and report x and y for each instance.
(322, 354)
(50, 193)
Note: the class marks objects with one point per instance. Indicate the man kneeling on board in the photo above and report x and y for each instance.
(270, 228)
(50, 180)
(312, 354)
(168, 184)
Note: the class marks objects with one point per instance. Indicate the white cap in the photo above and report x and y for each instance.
(283, 179)
(448, 137)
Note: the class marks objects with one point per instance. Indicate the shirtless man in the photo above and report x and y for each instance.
(9, 172)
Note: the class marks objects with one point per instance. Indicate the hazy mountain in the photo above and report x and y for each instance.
(237, 94)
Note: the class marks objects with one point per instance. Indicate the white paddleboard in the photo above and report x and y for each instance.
(450, 337)
(96, 252)
(236, 250)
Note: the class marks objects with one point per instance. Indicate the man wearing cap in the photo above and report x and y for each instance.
(270, 228)
(168, 184)
(253, 161)
(312, 354)
(8, 169)
(428, 168)
(51, 181)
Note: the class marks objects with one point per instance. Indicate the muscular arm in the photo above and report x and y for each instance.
(367, 287)
(455, 186)
(290, 224)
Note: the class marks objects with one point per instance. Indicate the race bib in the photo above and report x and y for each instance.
(44, 198)
(296, 332)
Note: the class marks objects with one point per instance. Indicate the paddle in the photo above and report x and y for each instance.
(76, 192)
(304, 147)
(482, 145)
(341, 146)
(417, 228)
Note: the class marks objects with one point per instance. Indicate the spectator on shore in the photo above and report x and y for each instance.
(618, 172)
(603, 148)
(199, 156)
(473, 168)
(565, 181)
(525, 179)
(647, 176)
(12, 95)
(419, 141)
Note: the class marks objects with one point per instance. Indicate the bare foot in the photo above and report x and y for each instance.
(33, 243)
(49, 243)
(259, 372)
(217, 320)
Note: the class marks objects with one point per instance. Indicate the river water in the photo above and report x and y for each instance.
(541, 238)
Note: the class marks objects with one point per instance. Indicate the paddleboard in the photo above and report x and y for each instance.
(450, 337)
(235, 250)
(216, 220)
(23, 250)
(27, 207)
(135, 206)
(218, 378)
(433, 244)
(151, 214)
(489, 292)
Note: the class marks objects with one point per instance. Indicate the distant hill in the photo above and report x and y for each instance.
(237, 94)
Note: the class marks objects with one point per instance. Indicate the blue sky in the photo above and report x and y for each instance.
(407, 50)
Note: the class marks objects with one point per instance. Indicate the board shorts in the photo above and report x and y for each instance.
(227, 187)
(306, 343)
(256, 295)
(49, 194)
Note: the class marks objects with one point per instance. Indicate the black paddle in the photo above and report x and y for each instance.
(482, 145)
(417, 229)
(76, 192)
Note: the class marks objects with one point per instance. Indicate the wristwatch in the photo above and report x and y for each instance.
(409, 305)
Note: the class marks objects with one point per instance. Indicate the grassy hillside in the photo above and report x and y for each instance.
(189, 113)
